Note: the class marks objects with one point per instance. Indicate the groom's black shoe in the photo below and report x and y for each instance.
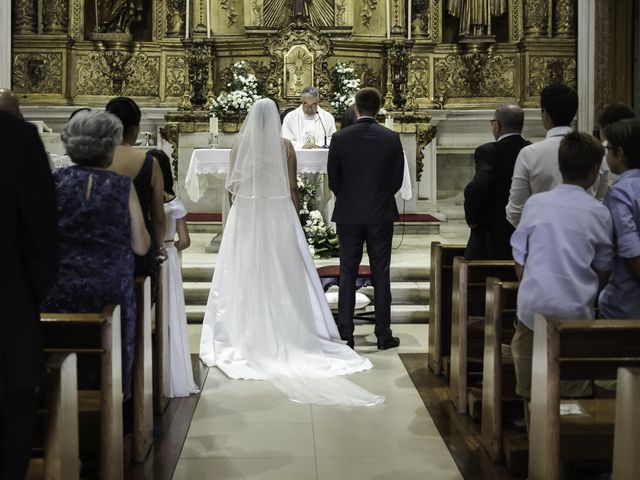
(387, 343)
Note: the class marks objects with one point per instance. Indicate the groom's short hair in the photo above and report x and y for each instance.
(368, 101)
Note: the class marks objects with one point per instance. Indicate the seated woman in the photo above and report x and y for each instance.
(143, 169)
(100, 227)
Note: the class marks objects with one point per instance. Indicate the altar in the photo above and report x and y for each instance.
(208, 170)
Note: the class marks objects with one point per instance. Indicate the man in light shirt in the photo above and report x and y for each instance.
(536, 168)
(309, 125)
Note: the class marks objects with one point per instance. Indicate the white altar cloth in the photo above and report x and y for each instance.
(210, 164)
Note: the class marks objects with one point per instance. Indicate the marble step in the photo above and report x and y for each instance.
(403, 293)
(399, 313)
(199, 272)
(408, 228)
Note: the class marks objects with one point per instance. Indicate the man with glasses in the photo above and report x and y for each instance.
(486, 196)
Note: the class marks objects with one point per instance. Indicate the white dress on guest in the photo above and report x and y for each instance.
(179, 375)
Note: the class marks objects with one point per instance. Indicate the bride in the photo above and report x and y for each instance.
(267, 317)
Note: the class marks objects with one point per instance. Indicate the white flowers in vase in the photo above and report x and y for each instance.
(242, 91)
(345, 86)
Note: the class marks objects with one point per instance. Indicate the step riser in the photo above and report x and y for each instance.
(418, 316)
(400, 296)
(397, 274)
(410, 228)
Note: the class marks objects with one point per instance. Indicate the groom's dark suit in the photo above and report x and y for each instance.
(365, 169)
(29, 259)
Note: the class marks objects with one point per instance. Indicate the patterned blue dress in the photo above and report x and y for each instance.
(96, 260)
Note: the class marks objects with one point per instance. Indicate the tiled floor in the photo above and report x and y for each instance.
(249, 430)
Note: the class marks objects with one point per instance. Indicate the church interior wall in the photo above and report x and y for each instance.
(60, 59)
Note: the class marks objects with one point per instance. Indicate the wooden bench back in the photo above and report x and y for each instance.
(440, 290)
(626, 444)
(571, 350)
(501, 303)
(89, 334)
(57, 422)
(142, 388)
(469, 296)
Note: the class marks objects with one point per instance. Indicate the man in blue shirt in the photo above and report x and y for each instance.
(621, 296)
(563, 249)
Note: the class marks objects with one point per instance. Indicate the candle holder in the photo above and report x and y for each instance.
(199, 57)
(398, 54)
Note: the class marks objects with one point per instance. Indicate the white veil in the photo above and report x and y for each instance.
(258, 164)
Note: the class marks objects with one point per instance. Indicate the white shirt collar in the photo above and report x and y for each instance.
(558, 131)
(505, 135)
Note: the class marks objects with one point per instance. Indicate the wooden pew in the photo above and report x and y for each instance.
(440, 281)
(57, 424)
(142, 388)
(160, 350)
(626, 443)
(90, 335)
(498, 379)
(469, 290)
(575, 350)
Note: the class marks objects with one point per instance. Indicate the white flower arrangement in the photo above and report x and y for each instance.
(345, 86)
(322, 239)
(242, 91)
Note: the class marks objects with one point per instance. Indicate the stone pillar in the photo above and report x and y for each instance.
(5, 41)
(586, 64)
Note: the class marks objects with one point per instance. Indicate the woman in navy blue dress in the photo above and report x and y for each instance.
(100, 227)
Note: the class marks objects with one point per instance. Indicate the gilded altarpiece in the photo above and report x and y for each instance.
(80, 52)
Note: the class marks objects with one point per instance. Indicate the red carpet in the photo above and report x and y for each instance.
(406, 218)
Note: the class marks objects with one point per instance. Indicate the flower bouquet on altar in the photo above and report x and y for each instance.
(322, 239)
(345, 86)
(240, 93)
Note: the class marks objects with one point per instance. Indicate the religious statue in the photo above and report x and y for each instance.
(475, 15)
(116, 16)
(279, 13)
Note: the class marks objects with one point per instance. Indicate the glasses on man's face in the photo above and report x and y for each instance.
(606, 146)
(493, 122)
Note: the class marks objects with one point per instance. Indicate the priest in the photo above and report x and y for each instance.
(309, 126)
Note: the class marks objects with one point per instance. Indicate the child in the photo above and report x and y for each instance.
(563, 250)
(621, 296)
(179, 377)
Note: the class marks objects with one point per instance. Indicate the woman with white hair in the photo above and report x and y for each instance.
(100, 227)
(267, 317)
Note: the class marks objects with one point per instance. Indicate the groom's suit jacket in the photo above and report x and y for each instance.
(28, 252)
(365, 169)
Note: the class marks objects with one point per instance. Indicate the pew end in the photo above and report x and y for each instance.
(626, 443)
(142, 388)
(575, 350)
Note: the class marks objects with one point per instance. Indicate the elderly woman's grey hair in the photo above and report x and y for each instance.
(91, 138)
(310, 92)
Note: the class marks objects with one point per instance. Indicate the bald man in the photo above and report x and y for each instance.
(486, 196)
(9, 103)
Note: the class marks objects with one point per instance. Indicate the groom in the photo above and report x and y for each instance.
(365, 169)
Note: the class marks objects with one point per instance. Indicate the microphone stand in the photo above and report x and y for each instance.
(324, 130)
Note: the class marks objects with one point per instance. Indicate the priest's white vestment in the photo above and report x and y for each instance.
(296, 129)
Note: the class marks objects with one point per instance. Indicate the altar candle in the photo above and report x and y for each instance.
(213, 124)
(186, 22)
(408, 19)
(208, 18)
(388, 19)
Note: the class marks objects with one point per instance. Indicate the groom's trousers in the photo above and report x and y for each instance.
(378, 238)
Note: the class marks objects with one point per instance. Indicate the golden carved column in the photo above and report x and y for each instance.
(536, 18)
(25, 16)
(564, 13)
(54, 17)
(199, 17)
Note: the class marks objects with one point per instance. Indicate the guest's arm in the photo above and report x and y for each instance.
(292, 168)
(627, 233)
(398, 166)
(140, 239)
(476, 193)
(334, 172)
(520, 189)
(184, 240)
(38, 213)
(157, 204)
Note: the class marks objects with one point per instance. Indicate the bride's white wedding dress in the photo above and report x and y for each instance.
(267, 317)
